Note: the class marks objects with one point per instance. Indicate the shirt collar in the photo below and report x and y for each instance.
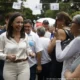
(31, 32)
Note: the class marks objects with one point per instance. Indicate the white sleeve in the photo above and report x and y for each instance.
(69, 50)
(2, 45)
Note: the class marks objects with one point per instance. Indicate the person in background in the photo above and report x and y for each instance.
(45, 24)
(6, 22)
(71, 52)
(2, 31)
(36, 47)
(52, 31)
(45, 59)
(62, 21)
(14, 49)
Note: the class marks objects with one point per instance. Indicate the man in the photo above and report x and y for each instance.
(34, 43)
(45, 59)
(45, 24)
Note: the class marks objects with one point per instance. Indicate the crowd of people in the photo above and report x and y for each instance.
(49, 53)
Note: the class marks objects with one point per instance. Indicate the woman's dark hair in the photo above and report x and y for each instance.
(64, 16)
(10, 27)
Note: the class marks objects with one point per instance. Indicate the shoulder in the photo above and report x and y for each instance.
(33, 33)
(2, 31)
(44, 39)
(77, 39)
(26, 36)
(3, 34)
(61, 31)
(62, 34)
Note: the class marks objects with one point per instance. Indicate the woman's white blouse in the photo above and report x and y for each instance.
(69, 54)
(10, 46)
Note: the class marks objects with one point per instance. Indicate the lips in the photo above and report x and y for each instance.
(18, 28)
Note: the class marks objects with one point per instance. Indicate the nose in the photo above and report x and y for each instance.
(20, 23)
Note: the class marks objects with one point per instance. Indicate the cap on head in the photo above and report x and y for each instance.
(45, 22)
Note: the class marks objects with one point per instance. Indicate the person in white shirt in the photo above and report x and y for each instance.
(14, 49)
(72, 51)
(34, 42)
(45, 59)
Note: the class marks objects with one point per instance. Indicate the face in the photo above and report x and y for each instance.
(52, 29)
(45, 26)
(18, 23)
(27, 28)
(74, 28)
(60, 23)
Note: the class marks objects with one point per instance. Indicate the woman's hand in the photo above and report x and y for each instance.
(11, 57)
(32, 54)
(75, 75)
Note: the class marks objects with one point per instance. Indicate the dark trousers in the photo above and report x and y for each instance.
(33, 73)
(45, 73)
(1, 69)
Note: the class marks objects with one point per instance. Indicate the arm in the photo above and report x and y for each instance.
(38, 49)
(51, 45)
(2, 46)
(2, 55)
(28, 49)
(70, 75)
(61, 35)
(69, 51)
(38, 56)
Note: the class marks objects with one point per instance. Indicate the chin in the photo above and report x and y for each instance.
(18, 30)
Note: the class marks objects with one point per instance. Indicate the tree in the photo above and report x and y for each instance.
(76, 0)
(50, 13)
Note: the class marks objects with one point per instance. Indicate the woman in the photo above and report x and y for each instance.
(14, 49)
(62, 22)
(72, 51)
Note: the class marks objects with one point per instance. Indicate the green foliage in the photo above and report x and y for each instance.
(76, 0)
(75, 13)
(63, 7)
(28, 13)
(49, 13)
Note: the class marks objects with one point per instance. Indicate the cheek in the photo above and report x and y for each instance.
(59, 22)
(73, 30)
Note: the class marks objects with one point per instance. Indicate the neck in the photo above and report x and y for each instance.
(16, 33)
(61, 26)
(41, 36)
(77, 34)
